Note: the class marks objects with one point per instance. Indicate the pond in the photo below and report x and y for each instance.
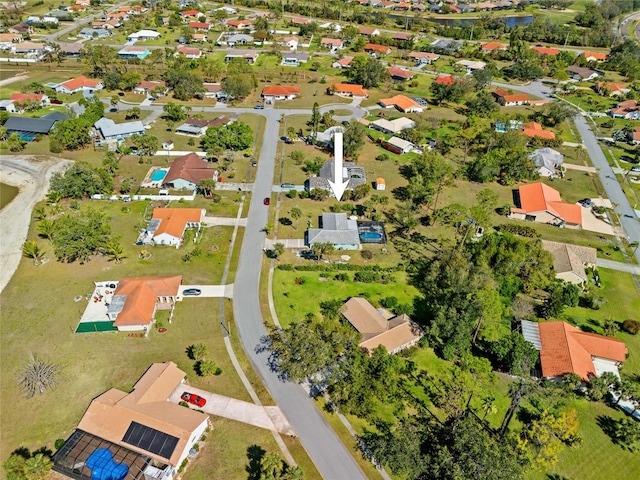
(510, 21)
(7, 193)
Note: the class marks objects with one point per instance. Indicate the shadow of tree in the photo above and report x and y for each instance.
(555, 476)
(254, 454)
(608, 426)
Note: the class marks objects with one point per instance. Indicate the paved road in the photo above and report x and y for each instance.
(630, 223)
(331, 457)
(622, 27)
(619, 266)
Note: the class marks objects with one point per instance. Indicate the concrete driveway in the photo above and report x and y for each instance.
(593, 224)
(209, 291)
(270, 418)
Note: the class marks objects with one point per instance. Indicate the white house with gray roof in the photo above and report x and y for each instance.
(350, 171)
(336, 229)
(109, 131)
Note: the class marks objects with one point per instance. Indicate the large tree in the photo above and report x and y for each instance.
(80, 236)
(368, 72)
(81, 180)
(235, 136)
(353, 139)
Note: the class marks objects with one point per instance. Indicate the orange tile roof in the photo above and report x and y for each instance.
(141, 296)
(613, 87)
(189, 167)
(400, 101)
(511, 97)
(428, 55)
(539, 197)
(344, 61)
(566, 349)
(596, 55)
(109, 415)
(400, 72)
(546, 50)
(367, 30)
(189, 51)
(446, 80)
(300, 21)
(278, 90)
(336, 42)
(174, 220)
(534, 129)
(349, 88)
(377, 48)
(80, 82)
(199, 25)
(190, 13)
(491, 46)
(237, 23)
(26, 97)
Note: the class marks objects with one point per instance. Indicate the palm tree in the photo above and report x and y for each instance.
(207, 186)
(37, 376)
(488, 406)
(115, 251)
(45, 228)
(53, 197)
(31, 249)
(38, 467)
(39, 212)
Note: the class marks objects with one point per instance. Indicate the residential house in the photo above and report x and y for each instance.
(392, 127)
(507, 99)
(300, 21)
(21, 100)
(490, 47)
(535, 130)
(28, 48)
(398, 145)
(8, 39)
(398, 73)
(471, 66)
(294, 59)
(634, 136)
(540, 203)
(343, 62)
(402, 37)
(188, 52)
(131, 52)
(378, 50)
(628, 109)
(239, 39)
(368, 31)
(249, 55)
(146, 87)
(186, 171)
(143, 35)
(240, 24)
(569, 261)
(197, 127)
(332, 43)
(28, 128)
(136, 299)
(552, 52)
(582, 74)
(394, 334)
(200, 26)
(446, 46)
(120, 16)
(168, 225)
(446, 80)
(7, 106)
(188, 14)
(402, 6)
(402, 103)
(79, 84)
(271, 93)
(611, 89)
(424, 58)
(292, 42)
(548, 161)
(595, 56)
(213, 90)
(109, 131)
(565, 349)
(139, 434)
(348, 90)
(198, 37)
(21, 28)
(351, 172)
(337, 229)
(71, 50)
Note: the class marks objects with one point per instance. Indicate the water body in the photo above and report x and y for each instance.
(511, 21)
(7, 193)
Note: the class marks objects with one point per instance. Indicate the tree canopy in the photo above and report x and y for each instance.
(81, 180)
(233, 136)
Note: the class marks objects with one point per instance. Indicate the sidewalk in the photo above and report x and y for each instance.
(619, 266)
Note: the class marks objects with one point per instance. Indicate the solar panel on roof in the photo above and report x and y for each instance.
(150, 439)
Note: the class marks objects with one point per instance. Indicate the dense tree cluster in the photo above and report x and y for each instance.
(234, 136)
(367, 71)
(81, 180)
(73, 133)
(80, 236)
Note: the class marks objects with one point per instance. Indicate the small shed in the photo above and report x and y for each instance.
(380, 184)
(168, 145)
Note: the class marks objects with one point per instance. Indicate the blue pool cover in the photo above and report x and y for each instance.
(104, 468)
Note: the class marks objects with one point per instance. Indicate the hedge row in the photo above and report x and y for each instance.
(517, 229)
(337, 267)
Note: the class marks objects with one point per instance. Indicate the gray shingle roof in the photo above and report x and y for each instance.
(29, 125)
(350, 171)
(336, 229)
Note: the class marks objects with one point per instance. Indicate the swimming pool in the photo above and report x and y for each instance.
(371, 236)
(158, 175)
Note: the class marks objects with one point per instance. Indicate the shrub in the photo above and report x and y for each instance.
(404, 308)
(594, 302)
(382, 157)
(300, 280)
(631, 326)
(182, 403)
(516, 229)
(341, 277)
(59, 443)
(183, 465)
(366, 254)
(389, 302)
(207, 368)
(366, 277)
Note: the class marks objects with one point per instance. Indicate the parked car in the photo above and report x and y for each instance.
(259, 107)
(586, 203)
(191, 292)
(635, 169)
(267, 201)
(287, 185)
(193, 399)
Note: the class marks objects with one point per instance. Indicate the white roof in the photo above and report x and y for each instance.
(111, 129)
(396, 125)
(400, 143)
(474, 65)
(145, 33)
